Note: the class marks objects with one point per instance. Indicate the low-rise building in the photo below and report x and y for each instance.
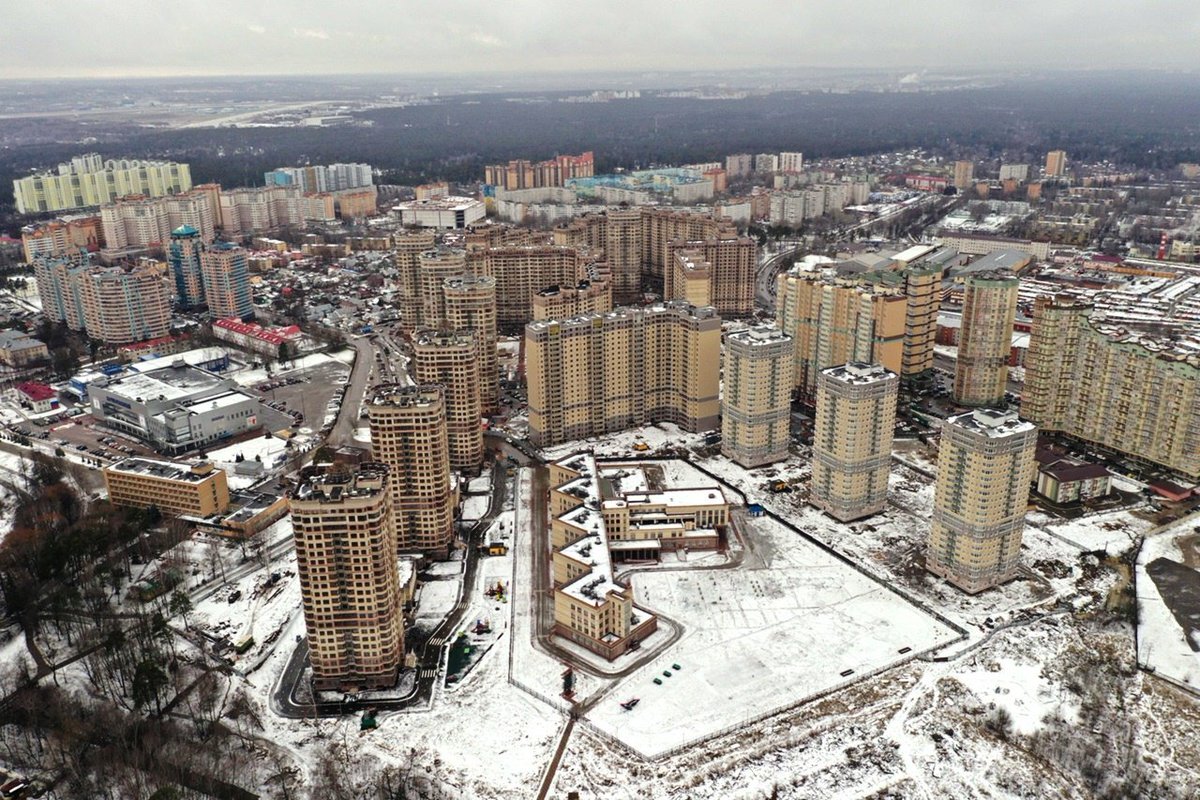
(453, 213)
(37, 397)
(1064, 480)
(196, 489)
(19, 349)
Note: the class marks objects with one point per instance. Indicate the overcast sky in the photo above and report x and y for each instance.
(59, 38)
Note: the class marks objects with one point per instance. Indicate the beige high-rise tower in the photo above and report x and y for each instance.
(964, 174)
(406, 256)
(989, 308)
(985, 464)
(1056, 163)
(756, 398)
(434, 267)
(451, 360)
(408, 433)
(349, 584)
(471, 305)
(852, 442)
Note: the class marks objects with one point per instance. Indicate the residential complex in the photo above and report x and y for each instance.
(405, 256)
(717, 272)
(145, 222)
(321, 178)
(434, 268)
(522, 174)
(852, 440)
(116, 305)
(985, 466)
(345, 533)
(197, 489)
(451, 360)
(61, 237)
(756, 396)
(989, 310)
(835, 320)
(226, 280)
(633, 366)
(521, 272)
(1127, 388)
(408, 433)
(470, 304)
(88, 180)
(603, 515)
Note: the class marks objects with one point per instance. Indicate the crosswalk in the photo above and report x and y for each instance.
(438, 641)
(428, 673)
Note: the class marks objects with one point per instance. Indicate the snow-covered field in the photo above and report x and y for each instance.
(1163, 645)
(759, 639)
(474, 507)
(1112, 531)
(271, 451)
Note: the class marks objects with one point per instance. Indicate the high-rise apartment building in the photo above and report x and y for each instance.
(406, 257)
(226, 277)
(852, 441)
(89, 180)
(727, 277)
(756, 397)
(62, 237)
(522, 174)
(451, 360)
(564, 302)
(471, 305)
(408, 433)
(791, 162)
(345, 535)
(633, 366)
(623, 252)
(964, 174)
(320, 178)
(766, 162)
(433, 268)
(184, 258)
(985, 465)
(1136, 393)
(739, 165)
(985, 341)
(1014, 172)
(138, 222)
(918, 272)
(1056, 163)
(521, 272)
(836, 320)
(116, 305)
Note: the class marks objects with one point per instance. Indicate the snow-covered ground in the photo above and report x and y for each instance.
(618, 445)
(271, 451)
(759, 639)
(474, 507)
(1112, 531)
(1163, 644)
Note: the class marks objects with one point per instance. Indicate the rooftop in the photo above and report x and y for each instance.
(192, 472)
(859, 373)
(402, 396)
(336, 483)
(992, 422)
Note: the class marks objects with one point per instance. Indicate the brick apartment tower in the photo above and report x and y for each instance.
(756, 401)
(985, 342)
(451, 360)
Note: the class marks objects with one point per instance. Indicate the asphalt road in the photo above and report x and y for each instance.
(347, 419)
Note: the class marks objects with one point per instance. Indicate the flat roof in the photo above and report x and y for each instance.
(167, 470)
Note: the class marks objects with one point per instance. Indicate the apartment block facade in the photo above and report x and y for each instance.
(116, 305)
(835, 320)
(985, 466)
(89, 180)
(985, 342)
(756, 397)
(408, 433)
(345, 535)
(564, 302)
(226, 277)
(198, 489)
(521, 272)
(470, 304)
(451, 360)
(633, 366)
(852, 441)
(1131, 392)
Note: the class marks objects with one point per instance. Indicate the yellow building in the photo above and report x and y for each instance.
(470, 304)
(852, 440)
(1136, 393)
(89, 180)
(435, 267)
(564, 302)
(633, 366)
(964, 174)
(405, 257)
(345, 534)
(1056, 163)
(116, 305)
(756, 397)
(603, 515)
(836, 320)
(408, 433)
(196, 490)
(690, 278)
(985, 466)
(989, 310)
(451, 360)
(521, 272)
